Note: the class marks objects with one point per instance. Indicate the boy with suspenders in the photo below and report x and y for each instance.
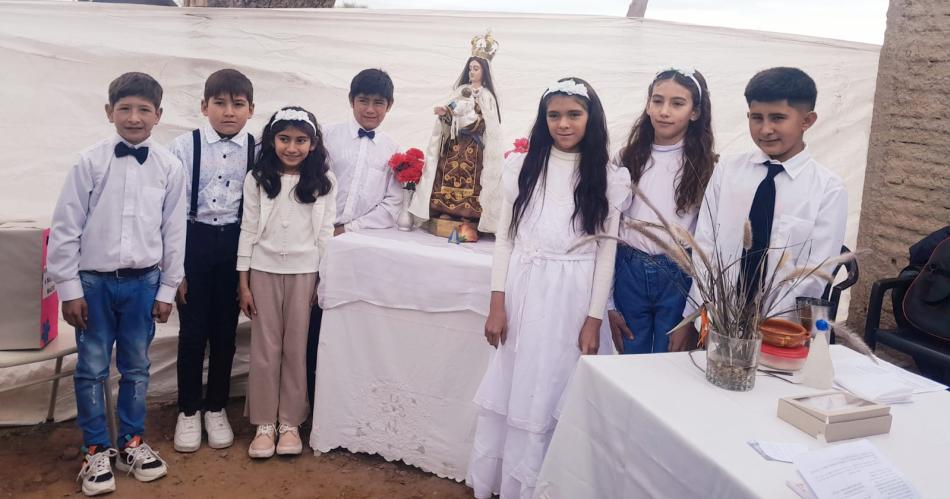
(219, 156)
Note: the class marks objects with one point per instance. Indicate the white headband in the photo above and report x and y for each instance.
(288, 114)
(689, 73)
(569, 87)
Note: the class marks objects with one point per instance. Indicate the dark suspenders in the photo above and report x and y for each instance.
(251, 145)
(196, 172)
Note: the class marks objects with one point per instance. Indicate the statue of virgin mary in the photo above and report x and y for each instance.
(459, 189)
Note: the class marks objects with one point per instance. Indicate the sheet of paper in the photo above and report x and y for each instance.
(863, 365)
(799, 488)
(778, 451)
(879, 383)
(851, 471)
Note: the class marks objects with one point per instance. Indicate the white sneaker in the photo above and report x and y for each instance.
(96, 473)
(289, 443)
(140, 460)
(219, 430)
(188, 432)
(263, 444)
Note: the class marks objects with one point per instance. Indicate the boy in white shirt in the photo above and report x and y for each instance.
(790, 199)
(367, 193)
(217, 157)
(116, 253)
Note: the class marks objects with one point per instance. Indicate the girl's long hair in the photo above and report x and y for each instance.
(314, 181)
(699, 158)
(465, 79)
(590, 193)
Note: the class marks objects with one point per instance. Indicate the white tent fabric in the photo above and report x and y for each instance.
(58, 59)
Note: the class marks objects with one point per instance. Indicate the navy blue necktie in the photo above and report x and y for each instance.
(755, 259)
(366, 133)
(139, 153)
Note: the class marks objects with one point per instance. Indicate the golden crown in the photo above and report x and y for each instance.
(484, 46)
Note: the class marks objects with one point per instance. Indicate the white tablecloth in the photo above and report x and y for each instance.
(402, 348)
(408, 270)
(651, 426)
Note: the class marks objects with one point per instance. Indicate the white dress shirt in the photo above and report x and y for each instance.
(369, 197)
(811, 210)
(114, 213)
(658, 182)
(221, 179)
(282, 235)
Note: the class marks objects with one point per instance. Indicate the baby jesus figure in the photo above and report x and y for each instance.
(463, 110)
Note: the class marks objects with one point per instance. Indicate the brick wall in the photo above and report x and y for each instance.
(907, 182)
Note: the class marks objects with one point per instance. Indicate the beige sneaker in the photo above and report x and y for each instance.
(289, 443)
(263, 444)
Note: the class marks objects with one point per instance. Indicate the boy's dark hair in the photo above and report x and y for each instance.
(229, 82)
(776, 84)
(136, 85)
(372, 82)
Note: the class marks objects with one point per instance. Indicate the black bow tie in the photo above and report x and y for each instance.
(140, 153)
(366, 133)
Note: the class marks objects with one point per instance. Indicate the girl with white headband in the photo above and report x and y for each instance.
(670, 158)
(548, 298)
(289, 209)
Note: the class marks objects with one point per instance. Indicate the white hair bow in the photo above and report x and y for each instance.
(689, 73)
(569, 87)
(288, 114)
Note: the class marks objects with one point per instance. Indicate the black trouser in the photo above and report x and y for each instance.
(209, 317)
(313, 339)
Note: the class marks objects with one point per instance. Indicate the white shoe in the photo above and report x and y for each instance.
(263, 444)
(289, 443)
(188, 432)
(140, 460)
(219, 430)
(96, 473)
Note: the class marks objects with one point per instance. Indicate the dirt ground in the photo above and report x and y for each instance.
(42, 462)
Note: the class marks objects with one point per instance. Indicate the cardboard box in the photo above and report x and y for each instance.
(29, 305)
(835, 414)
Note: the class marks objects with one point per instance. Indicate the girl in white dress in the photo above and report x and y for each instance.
(547, 302)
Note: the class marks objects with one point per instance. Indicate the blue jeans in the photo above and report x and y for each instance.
(120, 313)
(650, 292)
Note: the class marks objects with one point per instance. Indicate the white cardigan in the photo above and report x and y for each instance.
(259, 207)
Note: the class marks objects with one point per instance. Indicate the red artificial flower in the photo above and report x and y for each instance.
(415, 154)
(408, 167)
(397, 160)
(521, 146)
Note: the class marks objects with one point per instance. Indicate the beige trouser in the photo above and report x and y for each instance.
(277, 382)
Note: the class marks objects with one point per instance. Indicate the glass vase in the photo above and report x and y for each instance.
(404, 220)
(731, 362)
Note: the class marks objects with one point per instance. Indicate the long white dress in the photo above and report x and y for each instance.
(549, 293)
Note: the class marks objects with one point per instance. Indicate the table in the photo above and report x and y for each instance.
(64, 344)
(402, 347)
(651, 426)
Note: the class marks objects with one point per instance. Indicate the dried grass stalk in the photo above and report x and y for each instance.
(854, 339)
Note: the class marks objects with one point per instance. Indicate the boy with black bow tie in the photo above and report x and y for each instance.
(368, 196)
(116, 254)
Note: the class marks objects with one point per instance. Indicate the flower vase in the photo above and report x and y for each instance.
(404, 220)
(731, 363)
